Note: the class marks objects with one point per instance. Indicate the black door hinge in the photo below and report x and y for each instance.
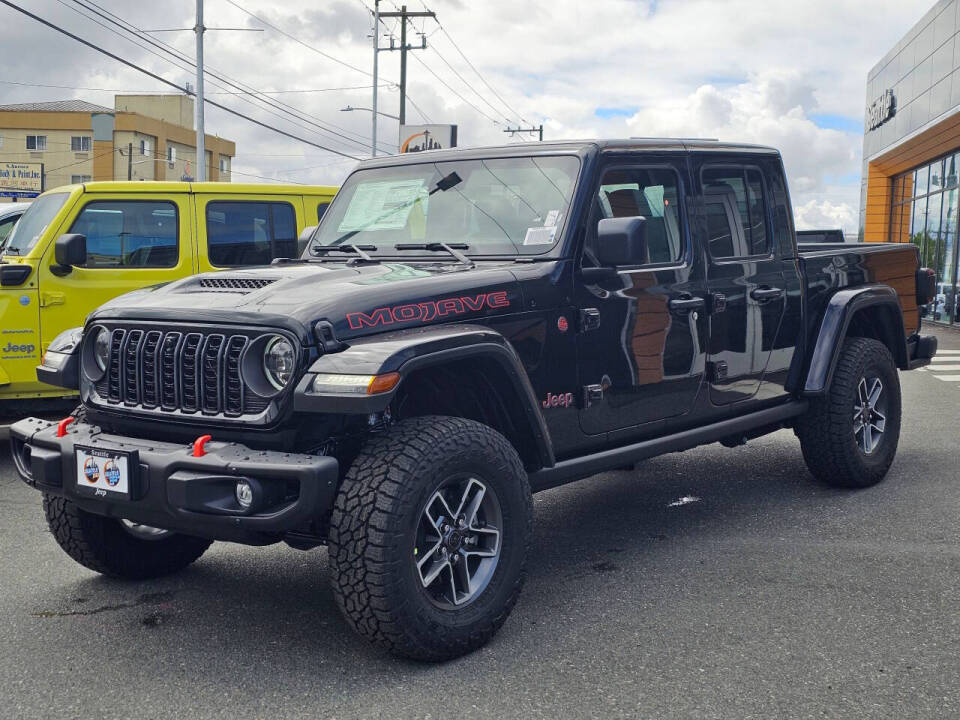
(589, 319)
(592, 394)
(717, 371)
(717, 303)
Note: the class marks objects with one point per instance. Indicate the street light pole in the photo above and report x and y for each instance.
(376, 54)
(201, 174)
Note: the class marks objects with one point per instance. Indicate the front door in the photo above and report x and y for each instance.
(640, 341)
(744, 279)
(131, 243)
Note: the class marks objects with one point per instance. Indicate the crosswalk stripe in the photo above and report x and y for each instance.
(948, 378)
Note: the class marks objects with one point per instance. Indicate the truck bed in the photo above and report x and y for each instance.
(829, 267)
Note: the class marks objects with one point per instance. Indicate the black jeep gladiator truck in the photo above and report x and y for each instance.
(464, 328)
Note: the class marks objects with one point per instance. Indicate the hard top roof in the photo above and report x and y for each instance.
(579, 147)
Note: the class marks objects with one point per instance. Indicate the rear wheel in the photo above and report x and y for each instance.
(119, 548)
(429, 537)
(849, 436)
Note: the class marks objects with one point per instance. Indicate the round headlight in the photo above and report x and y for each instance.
(101, 348)
(279, 360)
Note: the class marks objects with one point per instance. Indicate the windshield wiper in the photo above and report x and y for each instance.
(358, 250)
(452, 248)
(443, 184)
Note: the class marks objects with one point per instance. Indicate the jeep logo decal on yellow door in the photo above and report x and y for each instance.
(18, 350)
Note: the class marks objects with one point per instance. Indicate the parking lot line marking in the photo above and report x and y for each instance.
(945, 368)
(948, 378)
(947, 352)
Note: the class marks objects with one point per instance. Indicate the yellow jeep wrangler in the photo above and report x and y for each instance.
(79, 246)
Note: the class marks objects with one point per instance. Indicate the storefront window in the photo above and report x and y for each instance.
(924, 211)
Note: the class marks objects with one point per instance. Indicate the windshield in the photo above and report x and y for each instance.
(33, 223)
(495, 206)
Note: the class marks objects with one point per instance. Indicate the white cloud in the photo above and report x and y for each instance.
(735, 69)
(825, 215)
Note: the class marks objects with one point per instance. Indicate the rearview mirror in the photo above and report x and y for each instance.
(70, 250)
(622, 241)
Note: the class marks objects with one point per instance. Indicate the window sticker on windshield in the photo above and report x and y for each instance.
(384, 205)
(553, 217)
(540, 236)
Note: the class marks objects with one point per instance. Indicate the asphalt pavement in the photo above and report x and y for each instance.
(716, 583)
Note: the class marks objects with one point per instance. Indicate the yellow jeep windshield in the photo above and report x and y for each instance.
(33, 223)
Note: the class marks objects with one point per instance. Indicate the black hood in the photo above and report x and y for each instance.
(357, 299)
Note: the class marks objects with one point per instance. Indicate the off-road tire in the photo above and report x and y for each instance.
(103, 545)
(826, 431)
(374, 523)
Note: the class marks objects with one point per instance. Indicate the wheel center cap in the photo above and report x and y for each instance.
(454, 540)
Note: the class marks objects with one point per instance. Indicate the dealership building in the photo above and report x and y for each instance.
(911, 148)
(143, 137)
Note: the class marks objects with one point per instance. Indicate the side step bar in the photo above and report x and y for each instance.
(567, 471)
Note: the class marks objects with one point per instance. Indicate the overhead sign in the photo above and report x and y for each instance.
(417, 138)
(881, 110)
(21, 179)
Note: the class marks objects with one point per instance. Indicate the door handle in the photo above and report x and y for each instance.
(686, 303)
(766, 294)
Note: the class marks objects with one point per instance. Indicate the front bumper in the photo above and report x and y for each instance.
(172, 489)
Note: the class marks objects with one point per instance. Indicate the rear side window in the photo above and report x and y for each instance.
(250, 233)
(746, 187)
(321, 209)
(652, 193)
(137, 234)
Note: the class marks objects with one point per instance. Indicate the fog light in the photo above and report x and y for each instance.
(244, 494)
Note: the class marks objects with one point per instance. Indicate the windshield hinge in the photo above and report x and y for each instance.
(51, 298)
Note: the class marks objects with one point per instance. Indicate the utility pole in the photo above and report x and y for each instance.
(404, 15)
(129, 161)
(518, 129)
(201, 174)
(376, 54)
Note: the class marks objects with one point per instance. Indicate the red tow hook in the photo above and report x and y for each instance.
(198, 450)
(62, 426)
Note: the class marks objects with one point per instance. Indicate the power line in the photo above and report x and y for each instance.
(153, 75)
(131, 29)
(464, 81)
(299, 41)
(447, 85)
(473, 67)
(224, 92)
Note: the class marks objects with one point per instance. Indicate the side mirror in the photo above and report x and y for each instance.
(306, 235)
(70, 250)
(622, 241)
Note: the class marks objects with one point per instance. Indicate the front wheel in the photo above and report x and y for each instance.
(429, 537)
(849, 436)
(119, 548)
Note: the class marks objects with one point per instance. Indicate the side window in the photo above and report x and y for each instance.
(652, 193)
(250, 233)
(135, 233)
(6, 225)
(723, 236)
(745, 187)
(321, 209)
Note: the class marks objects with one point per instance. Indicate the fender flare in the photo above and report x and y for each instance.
(839, 313)
(406, 351)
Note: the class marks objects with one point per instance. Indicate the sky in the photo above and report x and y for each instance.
(783, 73)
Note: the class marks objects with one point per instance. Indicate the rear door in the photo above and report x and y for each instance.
(640, 342)
(133, 241)
(744, 279)
(247, 230)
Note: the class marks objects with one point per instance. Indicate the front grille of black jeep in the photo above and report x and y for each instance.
(179, 371)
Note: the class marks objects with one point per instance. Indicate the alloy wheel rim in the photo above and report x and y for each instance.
(458, 542)
(869, 417)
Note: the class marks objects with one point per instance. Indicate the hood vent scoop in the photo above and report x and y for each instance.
(234, 284)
